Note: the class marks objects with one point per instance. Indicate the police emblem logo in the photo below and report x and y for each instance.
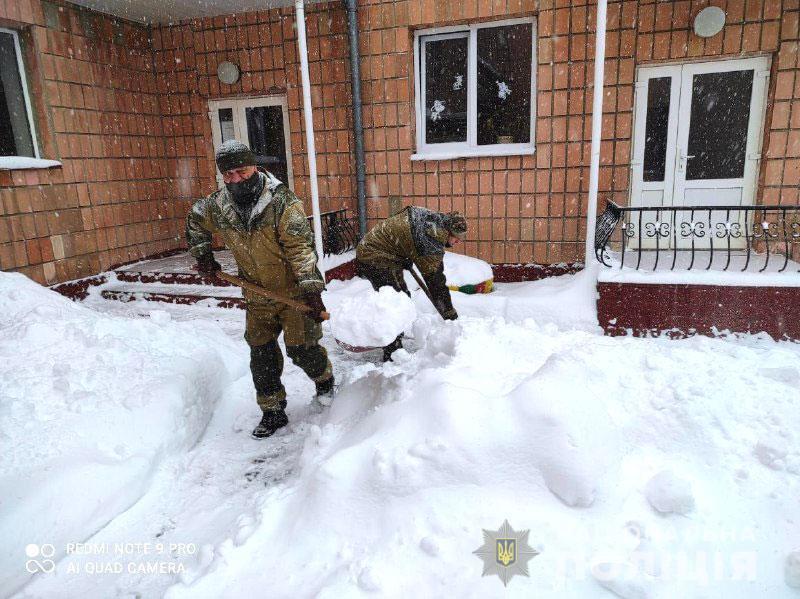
(505, 552)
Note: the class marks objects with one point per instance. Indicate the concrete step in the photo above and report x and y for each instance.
(170, 278)
(227, 291)
(174, 288)
(173, 298)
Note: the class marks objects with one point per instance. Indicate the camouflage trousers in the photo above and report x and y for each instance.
(264, 324)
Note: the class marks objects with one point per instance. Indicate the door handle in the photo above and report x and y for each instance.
(682, 160)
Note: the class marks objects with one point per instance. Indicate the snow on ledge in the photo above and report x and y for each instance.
(332, 261)
(476, 153)
(700, 277)
(25, 162)
(737, 270)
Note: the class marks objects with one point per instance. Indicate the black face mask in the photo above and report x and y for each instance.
(246, 192)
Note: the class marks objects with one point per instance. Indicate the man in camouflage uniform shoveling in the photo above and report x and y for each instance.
(263, 224)
(413, 236)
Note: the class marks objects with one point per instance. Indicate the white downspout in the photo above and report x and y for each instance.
(300, 19)
(597, 121)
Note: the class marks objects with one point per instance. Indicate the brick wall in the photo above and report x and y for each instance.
(496, 194)
(98, 112)
(781, 172)
(264, 46)
(524, 209)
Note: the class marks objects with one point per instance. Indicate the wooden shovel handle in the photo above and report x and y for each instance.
(421, 284)
(268, 294)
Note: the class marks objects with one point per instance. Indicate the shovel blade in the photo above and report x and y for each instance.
(356, 349)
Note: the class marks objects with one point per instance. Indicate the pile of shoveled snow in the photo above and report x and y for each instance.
(372, 318)
(460, 269)
(89, 406)
(568, 301)
(646, 468)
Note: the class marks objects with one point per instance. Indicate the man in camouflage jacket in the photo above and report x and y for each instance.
(413, 236)
(264, 226)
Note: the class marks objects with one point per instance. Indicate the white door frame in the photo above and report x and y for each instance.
(238, 105)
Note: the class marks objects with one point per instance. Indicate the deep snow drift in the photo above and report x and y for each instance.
(643, 468)
(560, 433)
(90, 405)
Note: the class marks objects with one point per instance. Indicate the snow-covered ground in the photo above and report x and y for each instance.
(641, 467)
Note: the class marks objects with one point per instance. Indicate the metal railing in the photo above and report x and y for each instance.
(339, 233)
(755, 238)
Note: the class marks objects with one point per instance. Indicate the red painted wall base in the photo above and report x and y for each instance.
(518, 273)
(682, 310)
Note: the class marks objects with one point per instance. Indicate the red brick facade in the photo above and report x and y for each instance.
(98, 112)
(264, 46)
(124, 108)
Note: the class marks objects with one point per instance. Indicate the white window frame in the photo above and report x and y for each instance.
(238, 106)
(444, 151)
(24, 82)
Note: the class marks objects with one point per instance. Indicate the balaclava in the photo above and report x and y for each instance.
(234, 154)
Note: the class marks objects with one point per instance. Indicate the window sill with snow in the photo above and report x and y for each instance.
(14, 163)
(483, 152)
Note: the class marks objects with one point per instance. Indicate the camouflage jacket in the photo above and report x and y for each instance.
(412, 236)
(274, 249)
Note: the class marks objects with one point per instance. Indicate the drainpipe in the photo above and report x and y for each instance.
(358, 127)
(300, 18)
(597, 121)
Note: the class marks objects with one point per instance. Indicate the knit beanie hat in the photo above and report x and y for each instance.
(456, 224)
(234, 154)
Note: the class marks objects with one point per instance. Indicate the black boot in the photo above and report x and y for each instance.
(325, 387)
(325, 392)
(392, 347)
(271, 421)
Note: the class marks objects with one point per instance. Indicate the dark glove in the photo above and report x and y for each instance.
(450, 315)
(313, 299)
(207, 265)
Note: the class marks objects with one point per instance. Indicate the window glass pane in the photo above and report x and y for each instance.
(718, 126)
(226, 123)
(265, 137)
(15, 134)
(445, 90)
(655, 130)
(504, 84)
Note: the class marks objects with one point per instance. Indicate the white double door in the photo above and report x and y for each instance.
(263, 124)
(697, 142)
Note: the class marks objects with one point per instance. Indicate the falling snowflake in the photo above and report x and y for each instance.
(458, 83)
(503, 91)
(436, 110)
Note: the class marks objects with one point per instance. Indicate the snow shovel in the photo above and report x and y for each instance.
(356, 349)
(268, 294)
(422, 286)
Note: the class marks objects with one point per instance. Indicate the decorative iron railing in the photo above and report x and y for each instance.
(339, 233)
(754, 238)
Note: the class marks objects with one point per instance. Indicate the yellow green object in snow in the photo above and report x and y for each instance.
(483, 287)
